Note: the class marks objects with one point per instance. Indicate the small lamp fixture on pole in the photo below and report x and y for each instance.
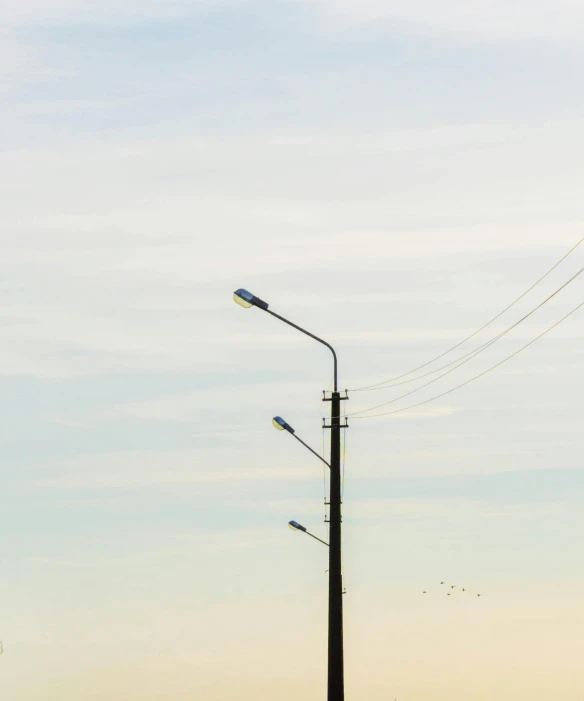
(282, 425)
(295, 526)
(279, 423)
(246, 299)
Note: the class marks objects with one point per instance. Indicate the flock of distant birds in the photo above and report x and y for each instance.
(452, 587)
(449, 593)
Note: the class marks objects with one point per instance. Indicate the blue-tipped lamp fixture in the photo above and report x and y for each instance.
(295, 526)
(246, 299)
(282, 425)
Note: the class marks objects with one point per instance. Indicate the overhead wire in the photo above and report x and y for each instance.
(472, 379)
(324, 468)
(472, 355)
(477, 350)
(472, 335)
(344, 454)
(324, 472)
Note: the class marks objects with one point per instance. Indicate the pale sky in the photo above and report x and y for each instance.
(389, 175)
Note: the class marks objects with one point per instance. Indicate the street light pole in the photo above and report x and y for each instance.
(336, 690)
(336, 685)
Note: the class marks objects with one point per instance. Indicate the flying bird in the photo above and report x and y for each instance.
(452, 586)
(464, 590)
(478, 594)
(441, 582)
(448, 594)
(424, 592)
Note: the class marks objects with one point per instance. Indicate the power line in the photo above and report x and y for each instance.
(472, 355)
(472, 379)
(344, 455)
(420, 367)
(476, 351)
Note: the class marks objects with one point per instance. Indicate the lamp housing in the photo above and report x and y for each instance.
(295, 526)
(279, 423)
(246, 299)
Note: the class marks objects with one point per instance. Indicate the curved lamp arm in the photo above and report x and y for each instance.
(247, 299)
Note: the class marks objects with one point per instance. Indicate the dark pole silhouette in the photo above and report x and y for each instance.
(336, 691)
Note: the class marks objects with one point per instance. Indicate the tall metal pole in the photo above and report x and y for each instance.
(336, 686)
(336, 677)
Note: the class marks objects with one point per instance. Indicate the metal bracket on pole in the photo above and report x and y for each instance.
(330, 399)
(345, 425)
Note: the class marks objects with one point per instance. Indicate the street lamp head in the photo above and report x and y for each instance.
(295, 526)
(279, 423)
(246, 299)
(243, 298)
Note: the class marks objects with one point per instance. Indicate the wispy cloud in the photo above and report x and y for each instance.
(486, 19)
(73, 12)
(152, 469)
(21, 63)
